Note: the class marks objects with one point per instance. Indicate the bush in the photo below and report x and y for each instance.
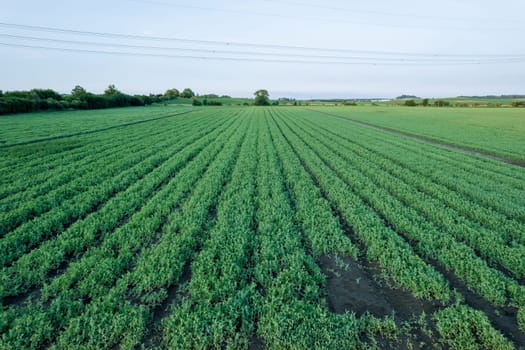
(46, 99)
(10, 105)
(45, 94)
(196, 102)
(410, 103)
(441, 103)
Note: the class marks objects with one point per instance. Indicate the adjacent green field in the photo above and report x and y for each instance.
(23, 128)
(251, 228)
(496, 131)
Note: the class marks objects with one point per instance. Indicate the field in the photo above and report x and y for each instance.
(46, 126)
(252, 227)
(496, 131)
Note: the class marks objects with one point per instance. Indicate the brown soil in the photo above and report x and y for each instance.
(175, 294)
(358, 288)
(255, 343)
(501, 318)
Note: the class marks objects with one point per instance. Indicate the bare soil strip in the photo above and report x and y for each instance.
(427, 140)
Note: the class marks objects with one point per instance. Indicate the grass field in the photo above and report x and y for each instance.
(250, 228)
(28, 128)
(496, 131)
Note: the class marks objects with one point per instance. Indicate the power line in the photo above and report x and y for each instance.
(242, 59)
(264, 54)
(371, 12)
(243, 44)
(310, 18)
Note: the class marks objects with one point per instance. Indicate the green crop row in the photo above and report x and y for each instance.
(33, 268)
(313, 212)
(34, 182)
(382, 243)
(98, 270)
(42, 157)
(521, 318)
(495, 131)
(491, 285)
(104, 169)
(219, 307)
(27, 236)
(428, 240)
(293, 312)
(37, 126)
(122, 315)
(498, 180)
(479, 169)
(438, 242)
(461, 327)
(213, 232)
(65, 154)
(390, 160)
(490, 244)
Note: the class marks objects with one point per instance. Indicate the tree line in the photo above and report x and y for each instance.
(37, 100)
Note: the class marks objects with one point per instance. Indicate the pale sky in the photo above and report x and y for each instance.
(475, 31)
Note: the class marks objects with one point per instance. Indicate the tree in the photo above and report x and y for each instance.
(187, 93)
(262, 98)
(424, 102)
(44, 94)
(78, 91)
(111, 91)
(441, 103)
(172, 93)
(410, 103)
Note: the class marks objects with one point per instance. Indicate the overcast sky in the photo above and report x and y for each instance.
(474, 31)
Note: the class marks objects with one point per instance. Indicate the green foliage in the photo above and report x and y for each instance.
(213, 96)
(521, 318)
(171, 93)
(461, 327)
(441, 103)
(187, 93)
(196, 102)
(44, 94)
(262, 98)
(494, 131)
(384, 244)
(111, 90)
(410, 103)
(78, 91)
(46, 99)
(207, 228)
